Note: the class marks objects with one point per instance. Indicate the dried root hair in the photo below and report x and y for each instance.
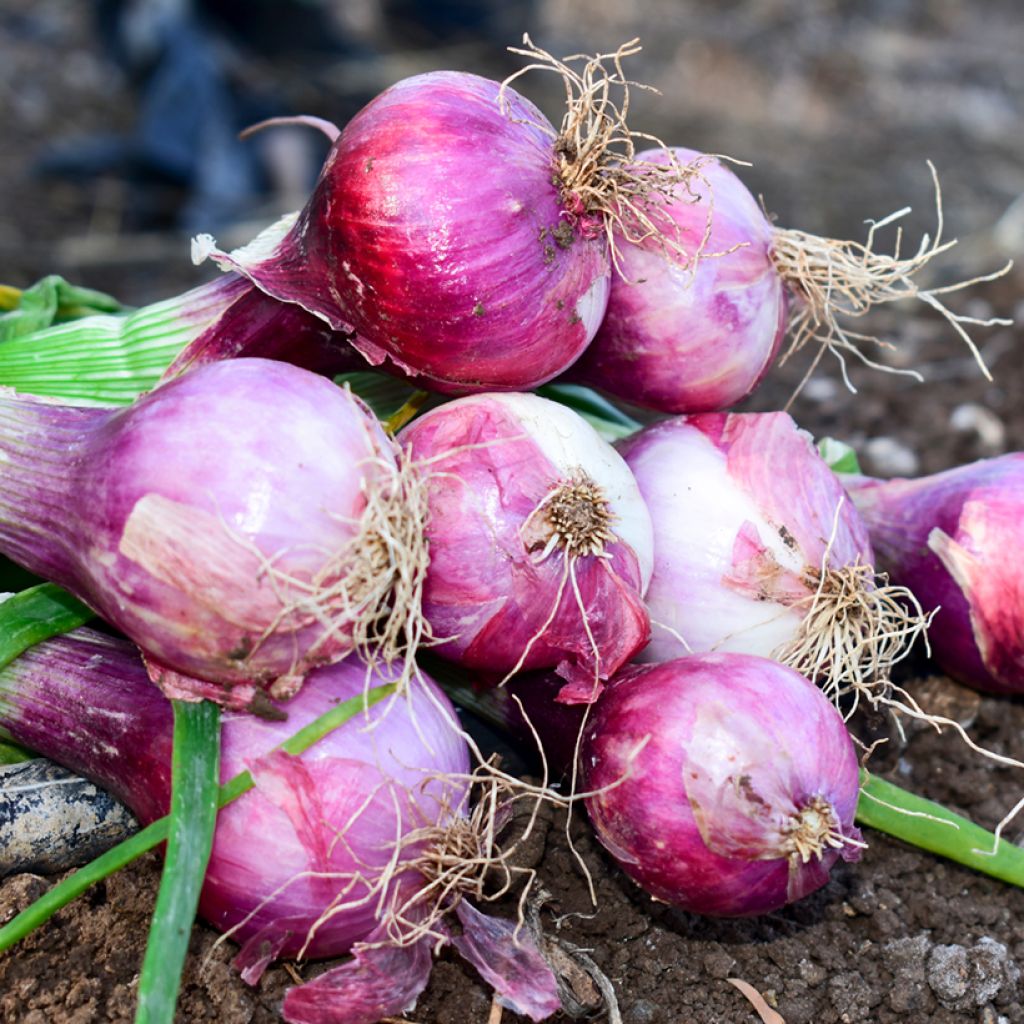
(595, 149)
(838, 281)
(856, 628)
(370, 593)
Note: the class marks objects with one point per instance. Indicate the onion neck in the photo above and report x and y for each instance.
(41, 443)
(84, 700)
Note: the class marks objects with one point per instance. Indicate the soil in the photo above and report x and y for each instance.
(838, 104)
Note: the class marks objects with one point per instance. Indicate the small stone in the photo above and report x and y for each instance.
(719, 964)
(811, 973)
(987, 427)
(888, 457)
(948, 974)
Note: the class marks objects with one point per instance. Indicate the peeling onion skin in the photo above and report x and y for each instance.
(492, 460)
(735, 747)
(954, 539)
(164, 516)
(683, 342)
(437, 233)
(742, 506)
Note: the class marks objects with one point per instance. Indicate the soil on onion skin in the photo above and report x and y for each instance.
(838, 104)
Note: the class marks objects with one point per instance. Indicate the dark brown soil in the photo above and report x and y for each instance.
(838, 104)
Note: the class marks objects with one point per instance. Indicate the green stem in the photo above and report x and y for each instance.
(37, 614)
(930, 826)
(194, 768)
(152, 835)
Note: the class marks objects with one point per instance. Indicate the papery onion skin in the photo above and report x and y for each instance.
(692, 339)
(744, 510)
(492, 460)
(199, 520)
(85, 701)
(699, 764)
(438, 234)
(954, 538)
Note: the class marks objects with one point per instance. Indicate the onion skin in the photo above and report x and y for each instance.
(953, 539)
(701, 340)
(744, 509)
(85, 701)
(492, 461)
(718, 752)
(437, 233)
(164, 517)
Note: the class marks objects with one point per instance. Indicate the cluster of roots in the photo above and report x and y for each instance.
(837, 281)
(596, 170)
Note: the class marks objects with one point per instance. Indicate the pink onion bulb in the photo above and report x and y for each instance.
(355, 845)
(540, 544)
(692, 338)
(277, 863)
(724, 784)
(758, 550)
(953, 538)
(228, 522)
(439, 233)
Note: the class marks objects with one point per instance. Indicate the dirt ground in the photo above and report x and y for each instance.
(837, 104)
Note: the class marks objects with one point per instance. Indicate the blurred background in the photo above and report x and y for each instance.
(120, 121)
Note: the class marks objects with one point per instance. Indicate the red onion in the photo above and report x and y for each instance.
(724, 784)
(540, 544)
(459, 233)
(232, 522)
(758, 550)
(953, 538)
(332, 849)
(700, 336)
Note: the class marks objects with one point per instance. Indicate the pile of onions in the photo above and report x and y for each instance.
(759, 550)
(724, 784)
(540, 543)
(698, 336)
(352, 835)
(459, 234)
(953, 539)
(243, 524)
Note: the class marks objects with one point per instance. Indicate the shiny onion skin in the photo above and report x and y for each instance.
(496, 465)
(209, 521)
(745, 511)
(724, 784)
(84, 700)
(333, 851)
(955, 539)
(437, 233)
(685, 340)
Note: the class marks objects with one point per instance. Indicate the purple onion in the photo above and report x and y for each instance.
(540, 544)
(85, 701)
(439, 233)
(697, 337)
(226, 522)
(953, 538)
(758, 550)
(328, 852)
(723, 784)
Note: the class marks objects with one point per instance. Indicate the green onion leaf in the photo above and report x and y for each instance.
(930, 826)
(195, 762)
(839, 456)
(37, 614)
